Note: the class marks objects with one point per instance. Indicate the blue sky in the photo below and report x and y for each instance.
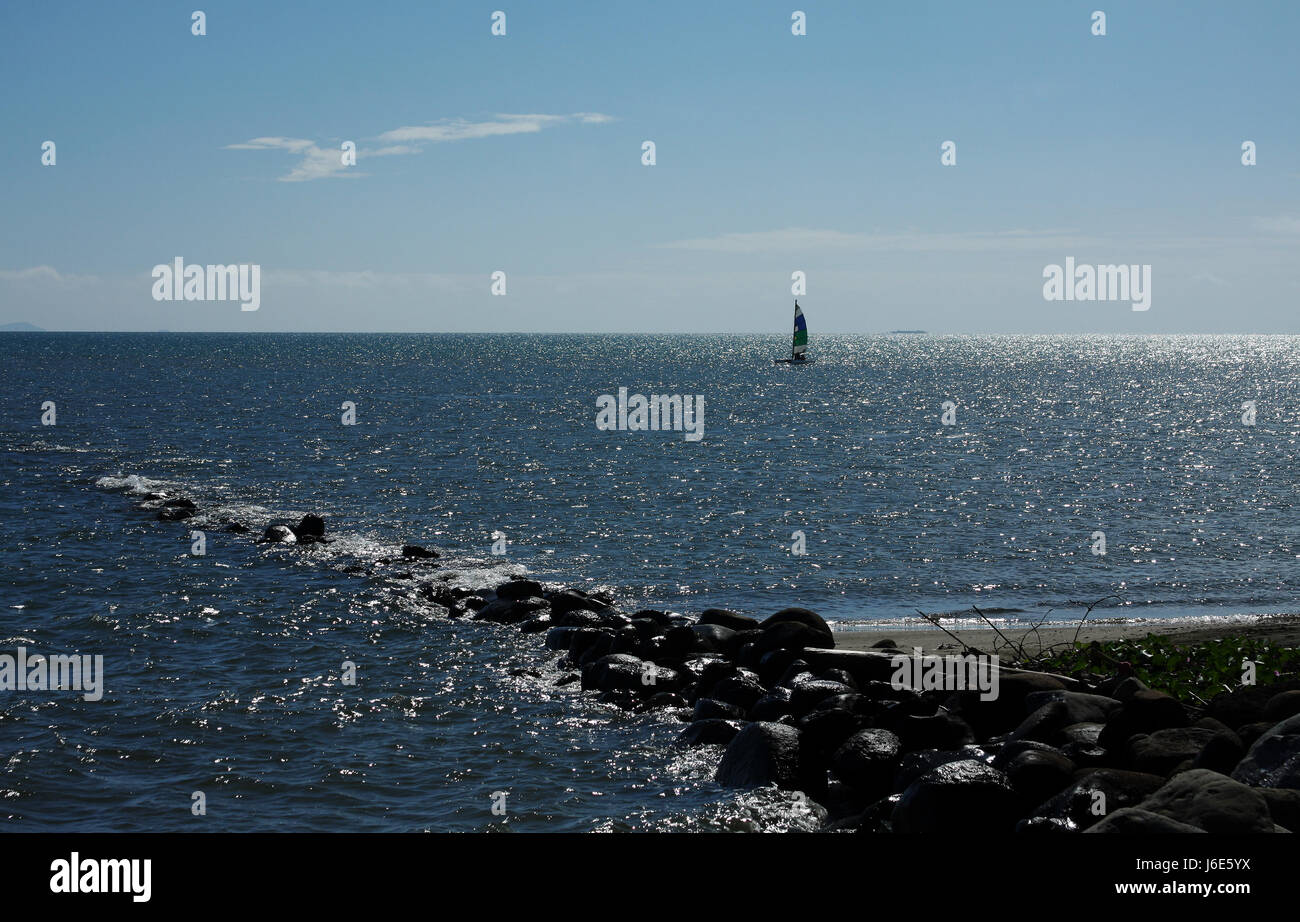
(775, 153)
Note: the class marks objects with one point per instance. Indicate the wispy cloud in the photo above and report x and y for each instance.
(317, 162)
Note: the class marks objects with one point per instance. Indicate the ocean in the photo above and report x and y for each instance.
(914, 472)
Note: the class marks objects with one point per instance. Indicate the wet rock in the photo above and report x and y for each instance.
(1039, 776)
(772, 706)
(1097, 792)
(728, 619)
(711, 638)
(941, 730)
(537, 624)
(520, 672)
(1274, 759)
(239, 528)
(1011, 749)
(613, 672)
(1134, 821)
(791, 635)
(664, 699)
(517, 588)
(807, 695)
(867, 761)
(1241, 706)
(415, 552)
(764, 753)
(509, 611)
(568, 679)
(312, 525)
(180, 502)
(1213, 802)
(742, 690)
(710, 732)
(569, 600)
(841, 676)
(916, 763)
(955, 798)
(279, 534)
(711, 709)
(175, 513)
(1056, 710)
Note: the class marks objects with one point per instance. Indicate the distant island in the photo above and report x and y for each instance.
(21, 327)
(907, 331)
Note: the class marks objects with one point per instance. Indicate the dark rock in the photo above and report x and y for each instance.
(1282, 705)
(664, 699)
(515, 588)
(955, 798)
(1011, 749)
(1221, 753)
(867, 761)
(281, 534)
(728, 619)
(1274, 759)
(712, 732)
(180, 503)
(312, 525)
(772, 706)
(807, 695)
(1241, 706)
(175, 514)
(1161, 752)
(1097, 792)
(764, 753)
(1283, 806)
(942, 730)
(1039, 776)
(509, 611)
(1134, 821)
(841, 676)
(791, 635)
(537, 624)
(743, 690)
(521, 673)
(415, 552)
(575, 600)
(1213, 802)
(1144, 712)
(711, 638)
(567, 679)
(614, 672)
(711, 709)
(915, 764)
(885, 643)
(239, 528)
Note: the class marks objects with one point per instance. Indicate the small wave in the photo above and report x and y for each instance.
(133, 484)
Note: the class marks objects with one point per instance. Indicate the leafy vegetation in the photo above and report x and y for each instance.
(1188, 671)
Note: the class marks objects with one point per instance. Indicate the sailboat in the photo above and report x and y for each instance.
(799, 345)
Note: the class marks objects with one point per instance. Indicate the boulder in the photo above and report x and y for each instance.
(280, 534)
(415, 552)
(711, 638)
(728, 619)
(1134, 821)
(509, 611)
(794, 628)
(711, 709)
(772, 706)
(955, 798)
(516, 588)
(764, 753)
(1098, 792)
(1274, 759)
(711, 732)
(1161, 752)
(310, 524)
(1213, 802)
(1282, 705)
(1038, 776)
(1143, 712)
(569, 600)
(866, 762)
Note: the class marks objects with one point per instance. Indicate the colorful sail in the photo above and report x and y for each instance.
(800, 333)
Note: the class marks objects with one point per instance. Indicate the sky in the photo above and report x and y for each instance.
(775, 153)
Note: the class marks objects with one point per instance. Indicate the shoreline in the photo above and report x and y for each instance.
(1283, 629)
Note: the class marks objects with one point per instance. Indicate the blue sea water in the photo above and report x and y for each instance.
(223, 671)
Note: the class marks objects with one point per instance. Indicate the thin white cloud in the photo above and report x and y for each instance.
(322, 163)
